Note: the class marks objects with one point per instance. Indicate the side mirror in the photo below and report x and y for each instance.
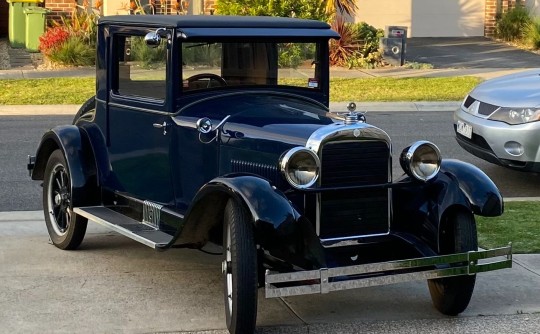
(153, 39)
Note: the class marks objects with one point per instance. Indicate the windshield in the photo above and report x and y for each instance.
(207, 65)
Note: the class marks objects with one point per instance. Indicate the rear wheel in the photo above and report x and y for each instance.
(239, 270)
(452, 295)
(66, 229)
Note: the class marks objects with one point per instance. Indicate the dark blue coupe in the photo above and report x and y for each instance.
(216, 130)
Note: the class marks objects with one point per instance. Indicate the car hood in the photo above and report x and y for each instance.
(263, 117)
(515, 90)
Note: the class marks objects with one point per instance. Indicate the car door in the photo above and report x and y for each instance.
(139, 135)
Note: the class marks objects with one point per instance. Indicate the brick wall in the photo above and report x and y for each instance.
(59, 8)
(494, 8)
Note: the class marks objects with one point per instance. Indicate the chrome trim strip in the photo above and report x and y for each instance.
(387, 272)
(340, 132)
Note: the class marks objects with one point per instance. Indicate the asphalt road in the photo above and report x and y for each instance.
(20, 135)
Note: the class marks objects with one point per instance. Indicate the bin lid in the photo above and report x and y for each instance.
(35, 10)
(27, 1)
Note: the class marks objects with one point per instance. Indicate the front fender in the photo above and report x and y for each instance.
(79, 159)
(278, 226)
(420, 208)
(483, 195)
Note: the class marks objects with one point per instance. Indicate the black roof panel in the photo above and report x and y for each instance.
(214, 21)
(209, 26)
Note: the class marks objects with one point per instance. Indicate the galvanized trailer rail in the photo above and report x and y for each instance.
(326, 280)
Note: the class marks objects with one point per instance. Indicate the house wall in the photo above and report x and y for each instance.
(426, 18)
(194, 7)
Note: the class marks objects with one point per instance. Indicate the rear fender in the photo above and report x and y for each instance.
(79, 158)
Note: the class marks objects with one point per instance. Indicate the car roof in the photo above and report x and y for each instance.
(223, 26)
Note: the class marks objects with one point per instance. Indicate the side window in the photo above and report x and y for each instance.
(141, 69)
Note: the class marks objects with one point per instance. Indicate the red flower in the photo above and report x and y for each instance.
(52, 38)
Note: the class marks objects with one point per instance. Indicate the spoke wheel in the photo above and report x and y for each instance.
(66, 229)
(239, 269)
(451, 295)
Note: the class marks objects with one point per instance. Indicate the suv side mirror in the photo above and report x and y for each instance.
(153, 38)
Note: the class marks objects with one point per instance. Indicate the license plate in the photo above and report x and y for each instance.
(464, 129)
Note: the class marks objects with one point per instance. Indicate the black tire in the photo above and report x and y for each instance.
(452, 295)
(66, 229)
(239, 270)
(87, 106)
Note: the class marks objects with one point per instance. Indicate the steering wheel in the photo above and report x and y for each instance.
(210, 76)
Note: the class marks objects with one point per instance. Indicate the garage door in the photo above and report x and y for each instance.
(447, 18)
(425, 18)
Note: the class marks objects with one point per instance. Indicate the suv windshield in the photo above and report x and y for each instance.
(208, 65)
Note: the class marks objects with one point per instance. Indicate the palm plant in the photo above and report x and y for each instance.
(348, 7)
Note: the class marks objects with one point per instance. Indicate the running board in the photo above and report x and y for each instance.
(127, 226)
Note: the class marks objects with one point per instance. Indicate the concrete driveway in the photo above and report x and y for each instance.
(469, 52)
(115, 285)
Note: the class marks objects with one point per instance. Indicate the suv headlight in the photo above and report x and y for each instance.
(421, 160)
(516, 115)
(300, 167)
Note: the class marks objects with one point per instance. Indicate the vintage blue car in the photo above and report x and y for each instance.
(216, 130)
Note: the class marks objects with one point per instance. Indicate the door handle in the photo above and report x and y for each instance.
(161, 126)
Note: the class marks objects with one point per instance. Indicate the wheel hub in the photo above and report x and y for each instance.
(57, 199)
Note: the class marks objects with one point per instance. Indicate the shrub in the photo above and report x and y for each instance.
(532, 33)
(71, 38)
(74, 51)
(306, 9)
(368, 37)
(512, 24)
(52, 39)
(358, 46)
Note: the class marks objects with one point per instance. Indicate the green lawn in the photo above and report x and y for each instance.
(47, 91)
(78, 90)
(519, 224)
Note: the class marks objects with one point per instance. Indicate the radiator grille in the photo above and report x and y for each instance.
(360, 212)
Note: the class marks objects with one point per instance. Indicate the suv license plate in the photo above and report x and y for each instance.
(464, 129)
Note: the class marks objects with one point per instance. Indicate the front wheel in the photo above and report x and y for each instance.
(239, 270)
(66, 229)
(451, 295)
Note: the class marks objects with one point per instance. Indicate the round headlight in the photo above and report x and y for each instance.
(300, 167)
(421, 160)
